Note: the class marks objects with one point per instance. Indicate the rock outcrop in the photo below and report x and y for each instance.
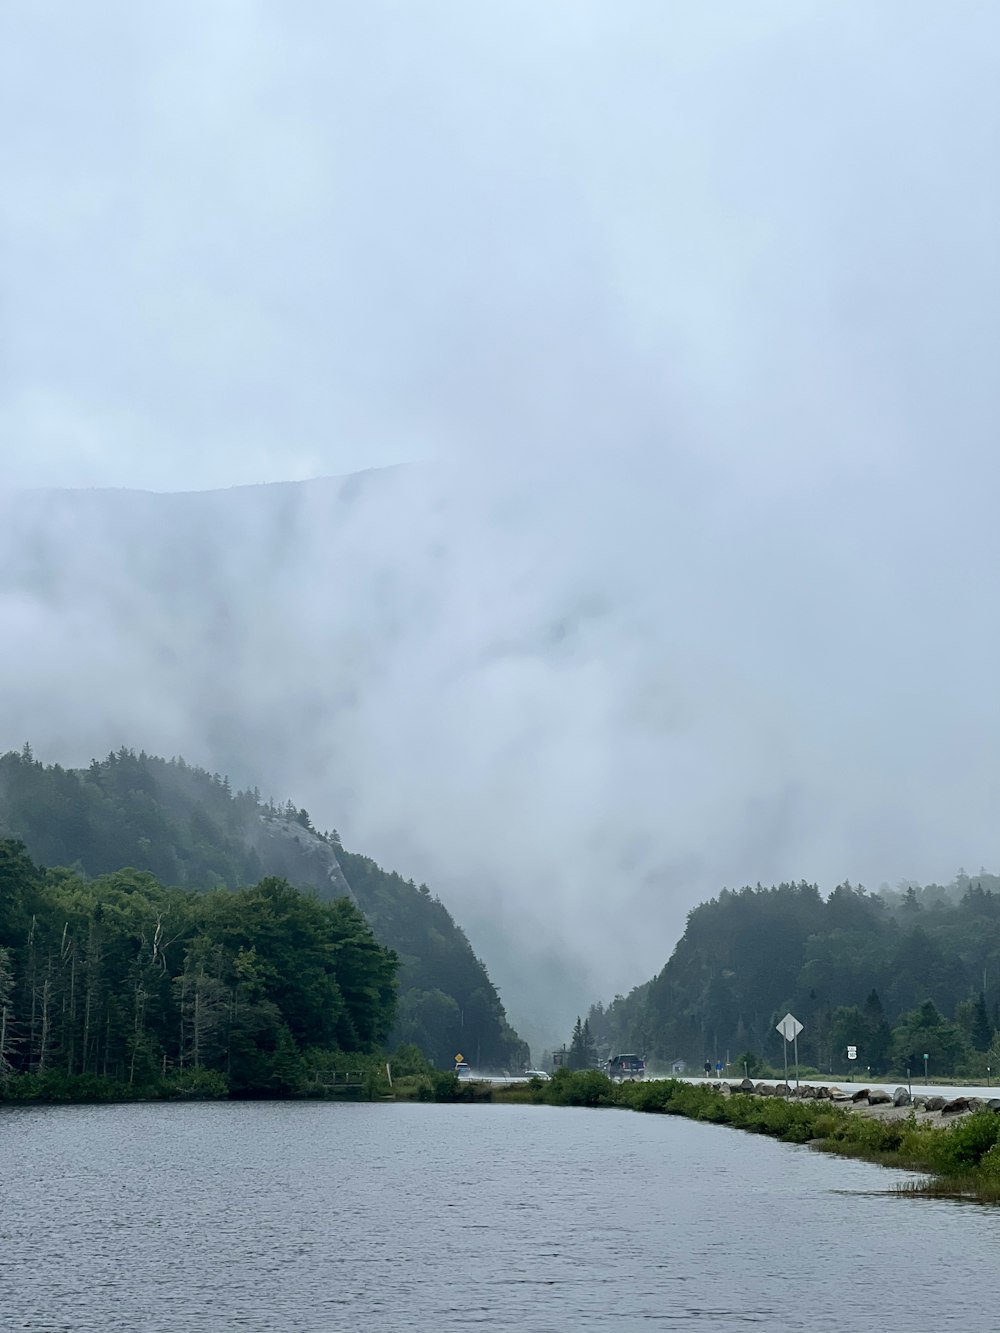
(295, 853)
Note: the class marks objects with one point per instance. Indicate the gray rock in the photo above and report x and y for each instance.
(861, 1095)
(765, 1089)
(782, 1090)
(295, 853)
(879, 1097)
(994, 1103)
(955, 1106)
(934, 1103)
(900, 1097)
(746, 1086)
(920, 1102)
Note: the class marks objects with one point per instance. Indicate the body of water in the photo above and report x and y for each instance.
(318, 1217)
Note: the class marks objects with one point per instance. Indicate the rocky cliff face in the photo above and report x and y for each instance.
(295, 853)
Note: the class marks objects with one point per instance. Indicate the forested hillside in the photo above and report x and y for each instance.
(120, 982)
(896, 975)
(188, 829)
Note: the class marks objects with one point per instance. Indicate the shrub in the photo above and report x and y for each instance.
(963, 1147)
(583, 1087)
(195, 1085)
(989, 1163)
(445, 1085)
(407, 1060)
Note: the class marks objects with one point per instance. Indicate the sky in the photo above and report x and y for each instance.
(674, 329)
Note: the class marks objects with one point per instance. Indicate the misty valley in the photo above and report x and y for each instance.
(162, 934)
(498, 714)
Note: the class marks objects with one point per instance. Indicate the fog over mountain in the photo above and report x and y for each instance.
(639, 375)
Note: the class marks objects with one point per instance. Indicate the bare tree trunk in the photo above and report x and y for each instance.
(71, 1036)
(43, 1041)
(86, 1030)
(234, 1009)
(197, 1022)
(92, 998)
(7, 1040)
(181, 1049)
(33, 990)
(140, 1027)
(4, 1066)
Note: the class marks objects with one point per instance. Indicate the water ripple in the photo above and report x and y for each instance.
(307, 1218)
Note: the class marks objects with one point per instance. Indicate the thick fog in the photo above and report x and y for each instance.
(670, 333)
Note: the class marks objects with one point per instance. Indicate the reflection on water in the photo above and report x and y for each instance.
(289, 1217)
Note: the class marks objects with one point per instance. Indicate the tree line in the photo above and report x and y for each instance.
(191, 828)
(119, 982)
(895, 974)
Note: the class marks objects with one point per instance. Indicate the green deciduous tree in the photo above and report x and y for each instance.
(925, 1030)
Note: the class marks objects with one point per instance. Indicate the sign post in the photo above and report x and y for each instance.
(790, 1027)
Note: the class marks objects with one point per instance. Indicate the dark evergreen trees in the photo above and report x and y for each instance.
(447, 1001)
(854, 968)
(187, 827)
(582, 1051)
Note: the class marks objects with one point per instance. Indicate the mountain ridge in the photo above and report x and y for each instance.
(187, 827)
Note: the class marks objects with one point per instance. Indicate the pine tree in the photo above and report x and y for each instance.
(982, 1028)
(577, 1048)
(589, 1044)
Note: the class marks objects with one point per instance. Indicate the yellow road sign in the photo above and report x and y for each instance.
(459, 1058)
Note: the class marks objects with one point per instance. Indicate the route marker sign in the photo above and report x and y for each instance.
(852, 1052)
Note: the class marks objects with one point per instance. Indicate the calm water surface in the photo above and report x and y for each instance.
(302, 1217)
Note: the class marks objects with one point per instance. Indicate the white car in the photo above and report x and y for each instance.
(537, 1073)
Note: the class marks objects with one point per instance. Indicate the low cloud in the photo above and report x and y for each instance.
(682, 336)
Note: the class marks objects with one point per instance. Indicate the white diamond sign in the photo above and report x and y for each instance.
(789, 1027)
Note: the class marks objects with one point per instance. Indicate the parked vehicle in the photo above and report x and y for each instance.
(537, 1073)
(626, 1068)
